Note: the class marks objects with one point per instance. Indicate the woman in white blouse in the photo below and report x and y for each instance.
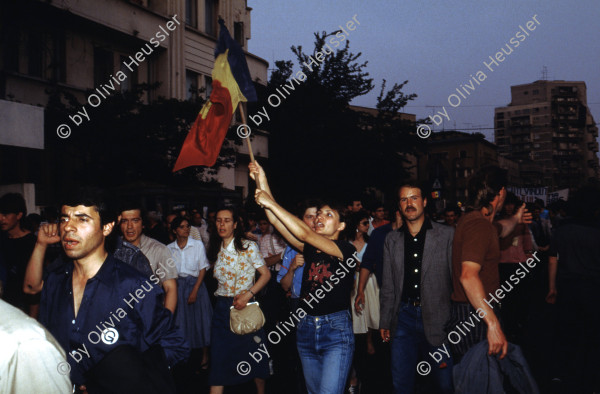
(236, 262)
(194, 311)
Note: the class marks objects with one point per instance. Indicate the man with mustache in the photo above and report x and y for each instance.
(415, 294)
(99, 308)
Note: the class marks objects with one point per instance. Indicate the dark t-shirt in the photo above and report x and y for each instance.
(476, 239)
(326, 280)
(577, 247)
(16, 253)
(373, 257)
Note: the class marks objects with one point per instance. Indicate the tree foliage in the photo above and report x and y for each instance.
(318, 145)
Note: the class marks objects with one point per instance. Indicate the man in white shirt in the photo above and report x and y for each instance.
(31, 361)
(199, 230)
(130, 222)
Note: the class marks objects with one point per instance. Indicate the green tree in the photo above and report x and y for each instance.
(319, 146)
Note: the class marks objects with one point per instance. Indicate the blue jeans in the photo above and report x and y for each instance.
(326, 347)
(409, 347)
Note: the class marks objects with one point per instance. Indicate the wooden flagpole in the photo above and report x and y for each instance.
(241, 106)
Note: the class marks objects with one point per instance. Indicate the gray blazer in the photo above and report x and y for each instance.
(436, 281)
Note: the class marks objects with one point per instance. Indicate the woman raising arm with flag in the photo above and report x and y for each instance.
(324, 338)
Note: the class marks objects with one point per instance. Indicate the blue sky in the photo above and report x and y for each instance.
(438, 45)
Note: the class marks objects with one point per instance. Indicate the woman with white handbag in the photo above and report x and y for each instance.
(232, 340)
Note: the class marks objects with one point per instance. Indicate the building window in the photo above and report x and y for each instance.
(525, 93)
(10, 49)
(35, 54)
(210, 17)
(207, 86)
(153, 78)
(191, 13)
(58, 58)
(103, 66)
(191, 85)
(131, 80)
(535, 91)
(463, 154)
(238, 32)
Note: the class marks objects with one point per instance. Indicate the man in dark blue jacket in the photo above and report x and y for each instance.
(93, 303)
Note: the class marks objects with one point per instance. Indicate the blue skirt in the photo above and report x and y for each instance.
(235, 359)
(193, 320)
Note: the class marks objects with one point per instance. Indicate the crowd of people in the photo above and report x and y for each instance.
(394, 298)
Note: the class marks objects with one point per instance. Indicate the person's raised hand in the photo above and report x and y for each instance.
(48, 234)
(256, 170)
(263, 199)
(523, 215)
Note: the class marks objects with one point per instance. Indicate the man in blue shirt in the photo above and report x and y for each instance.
(290, 278)
(292, 266)
(93, 303)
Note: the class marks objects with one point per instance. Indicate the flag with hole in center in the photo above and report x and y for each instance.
(231, 84)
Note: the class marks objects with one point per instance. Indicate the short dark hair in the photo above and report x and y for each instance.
(341, 211)
(355, 197)
(422, 186)
(511, 198)
(13, 203)
(354, 219)
(336, 206)
(93, 197)
(540, 203)
(177, 222)
(484, 186)
(131, 204)
(305, 204)
(450, 209)
(376, 205)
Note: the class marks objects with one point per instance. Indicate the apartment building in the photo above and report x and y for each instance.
(549, 127)
(452, 157)
(82, 45)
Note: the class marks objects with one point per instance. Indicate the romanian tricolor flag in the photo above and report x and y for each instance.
(231, 83)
